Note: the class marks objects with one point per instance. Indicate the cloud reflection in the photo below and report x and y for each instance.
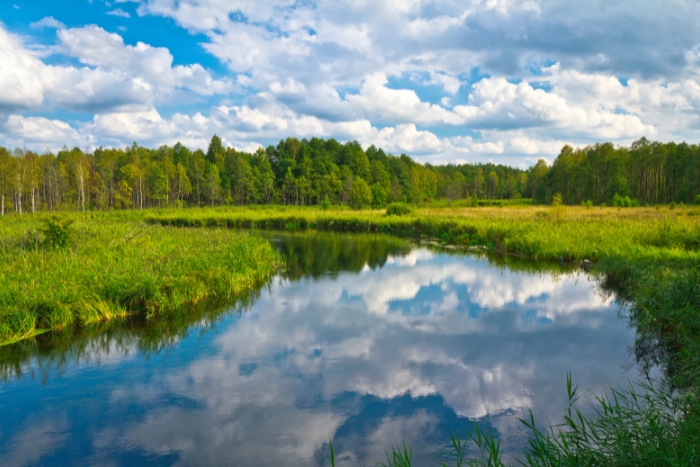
(478, 349)
(409, 351)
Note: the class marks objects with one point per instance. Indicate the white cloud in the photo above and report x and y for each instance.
(119, 12)
(39, 132)
(20, 81)
(331, 70)
(116, 76)
(47, 22)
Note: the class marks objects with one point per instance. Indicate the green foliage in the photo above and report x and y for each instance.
(697, 200)
(624, 201)
(361, 194)
(56, 232)
(558, 206)
(587, 204)
(628, 428)
(326, 204)
(399, 209)
(398, 457)
(557, 200)
(303, 172)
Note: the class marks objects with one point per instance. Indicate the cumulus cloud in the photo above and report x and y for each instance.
(115, 76)
(479, 80)
(119, 12)
(47, 22)
(20, 75)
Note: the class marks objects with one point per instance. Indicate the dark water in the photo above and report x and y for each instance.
(365, 340)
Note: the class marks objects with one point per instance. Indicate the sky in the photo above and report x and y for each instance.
(460, 81)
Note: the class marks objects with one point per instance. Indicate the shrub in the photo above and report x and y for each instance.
(56, 232)
(697, 200)
(587, 204)
(399, 209)
(624, 201)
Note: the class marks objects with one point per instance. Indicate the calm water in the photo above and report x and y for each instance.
(365, 340)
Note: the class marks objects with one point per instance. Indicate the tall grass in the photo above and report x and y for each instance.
(116, 267)
(532, 232)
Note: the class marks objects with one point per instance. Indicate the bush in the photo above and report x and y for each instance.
(587, 204)
(399, 209)
(56, 232)
(697, 200)
(624, 201)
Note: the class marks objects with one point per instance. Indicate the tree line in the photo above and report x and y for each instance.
(316, 171)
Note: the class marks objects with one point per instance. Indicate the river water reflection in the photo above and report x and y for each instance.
(365, 340)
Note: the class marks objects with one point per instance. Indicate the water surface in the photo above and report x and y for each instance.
(365, 340)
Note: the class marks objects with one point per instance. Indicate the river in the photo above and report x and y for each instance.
(368, 340)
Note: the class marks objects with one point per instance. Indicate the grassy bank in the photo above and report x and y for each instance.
(114, 266)
(570, 234)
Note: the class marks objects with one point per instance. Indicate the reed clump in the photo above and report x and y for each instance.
(116, 267)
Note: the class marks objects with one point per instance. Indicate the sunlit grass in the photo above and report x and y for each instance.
(114, 267)
(531, 231)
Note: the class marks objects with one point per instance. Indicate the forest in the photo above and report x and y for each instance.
(316, 171)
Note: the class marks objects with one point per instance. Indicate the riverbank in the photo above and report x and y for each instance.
(568, 234)
(113, 266)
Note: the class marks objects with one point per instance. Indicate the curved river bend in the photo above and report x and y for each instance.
(365, 340)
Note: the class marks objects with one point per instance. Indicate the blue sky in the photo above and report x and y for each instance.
(443, 81)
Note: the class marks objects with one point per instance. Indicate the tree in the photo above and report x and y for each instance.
(7, 164)
(265, 180)
(212, 182)
(215, 151)
(184, 186)
(361, 194)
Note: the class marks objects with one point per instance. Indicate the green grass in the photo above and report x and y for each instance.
(115, 266)
(533, 232)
